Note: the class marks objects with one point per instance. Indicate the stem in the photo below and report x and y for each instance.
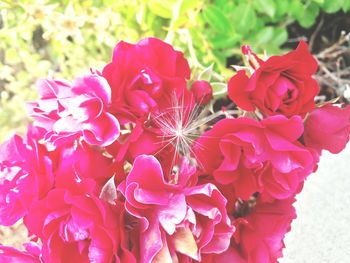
(176, 13)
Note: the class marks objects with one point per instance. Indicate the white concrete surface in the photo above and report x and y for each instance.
(321, 233)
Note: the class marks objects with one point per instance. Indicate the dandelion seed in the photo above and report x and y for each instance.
(180, 125)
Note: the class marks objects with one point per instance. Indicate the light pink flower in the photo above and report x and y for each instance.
(177, 220)
(68, 111)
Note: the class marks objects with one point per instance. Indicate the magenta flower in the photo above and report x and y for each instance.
(75, 228)
(176, 220)
(13, 255)
(145, 76)
(25, 176)
(67, 111)
(81, 168)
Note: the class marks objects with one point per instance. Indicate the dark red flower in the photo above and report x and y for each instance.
(280, 85)
(260, 234)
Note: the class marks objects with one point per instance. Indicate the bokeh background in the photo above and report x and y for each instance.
(66, 38)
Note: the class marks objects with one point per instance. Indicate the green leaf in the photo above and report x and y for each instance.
(280, 36)
(319, 1)
(296, 9)
(264, 36)
(310, 15)
(244, 17)
(346, 6)
(219, 89)
(281, 8)
(162, 8)
(219, 42)
(332, 6)
(265, 6)
(216, 19)
(189, 4)
(12, 56)
(206, 73)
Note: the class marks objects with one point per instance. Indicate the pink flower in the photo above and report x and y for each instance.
(12, 255)
(280, 85)
(145, 76)
(68, 111)
(176, 220)
(75, 228)
(202, 92)
(328, 127)
(25, 176)
(82, 166)
(260, 234)
(158, 134)
(256, 156)
(230, 255)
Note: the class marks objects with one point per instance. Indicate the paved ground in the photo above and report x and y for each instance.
(321, 233)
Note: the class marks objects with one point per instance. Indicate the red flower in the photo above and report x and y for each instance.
(202, 92)
(328, 128)
(281, 85)
(145, 76)
(260, 234)
(256, 156)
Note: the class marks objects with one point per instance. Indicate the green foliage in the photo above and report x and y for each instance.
(260, 23)
(66, 38)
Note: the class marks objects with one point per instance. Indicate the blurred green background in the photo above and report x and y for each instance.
(66, 38)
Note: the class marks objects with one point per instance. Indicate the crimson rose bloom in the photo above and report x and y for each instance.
(281, 85)
(256, 156)
(145, 76)
(328, 128)
(260, 234)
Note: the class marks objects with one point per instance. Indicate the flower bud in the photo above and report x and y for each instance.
(202, 92)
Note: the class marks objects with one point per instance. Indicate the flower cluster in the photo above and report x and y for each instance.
(132, 164)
